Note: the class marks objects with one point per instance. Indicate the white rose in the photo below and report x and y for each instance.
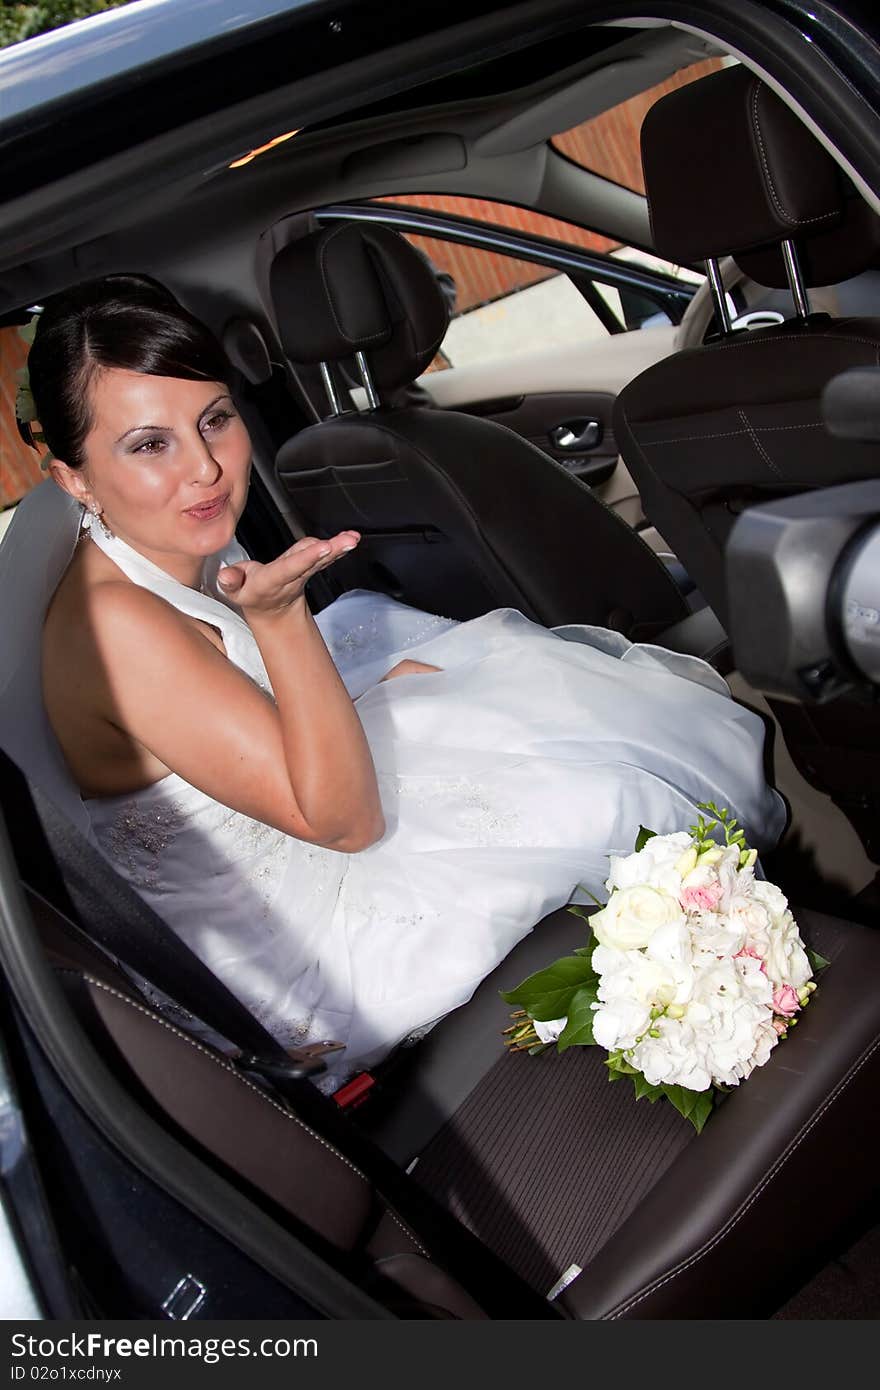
(772, 897)
(654, 864)
(785, 959)
(751, 914)
(632, 915)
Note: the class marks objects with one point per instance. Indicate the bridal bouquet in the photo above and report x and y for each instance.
(695, 972)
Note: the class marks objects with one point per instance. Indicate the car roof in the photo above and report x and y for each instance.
(119, 154)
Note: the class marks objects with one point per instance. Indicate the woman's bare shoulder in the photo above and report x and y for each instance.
(105, 640)
(102, 629)
(90, 605)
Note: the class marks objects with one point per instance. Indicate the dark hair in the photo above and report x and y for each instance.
(125, 321)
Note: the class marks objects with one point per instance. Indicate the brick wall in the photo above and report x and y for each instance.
(608, 145)
(482, 276)
(19, 465)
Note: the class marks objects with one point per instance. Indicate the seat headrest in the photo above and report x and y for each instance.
(826, 257)
(359, 287)
(728, 167)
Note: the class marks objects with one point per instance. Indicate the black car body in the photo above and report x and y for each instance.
(124, 143)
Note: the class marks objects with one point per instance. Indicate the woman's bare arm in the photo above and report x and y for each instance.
(303, 763)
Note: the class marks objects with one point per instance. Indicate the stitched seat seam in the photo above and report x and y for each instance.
(243, 1081)
(729, 434)
(771, 188)
(795, 1144)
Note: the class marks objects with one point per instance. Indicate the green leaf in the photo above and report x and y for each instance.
(695, 1106)
(578, 1031)
(590, 894)
(549, 993)
(618, 1066)
(584, 913)
(643, 837)
(587, 950)
(644, 1089)
(817, 962)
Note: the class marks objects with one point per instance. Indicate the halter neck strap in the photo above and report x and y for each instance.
(206, 603)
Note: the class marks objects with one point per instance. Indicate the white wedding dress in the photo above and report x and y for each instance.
(506, 780)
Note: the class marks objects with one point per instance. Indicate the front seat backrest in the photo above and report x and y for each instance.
(458, 514)
(714, 429)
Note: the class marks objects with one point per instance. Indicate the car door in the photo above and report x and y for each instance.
(543, 333)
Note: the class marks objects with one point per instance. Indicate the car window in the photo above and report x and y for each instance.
(19, 464)
(502, 305)
(608, 144)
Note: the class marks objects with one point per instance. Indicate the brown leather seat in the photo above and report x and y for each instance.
(540, 1158)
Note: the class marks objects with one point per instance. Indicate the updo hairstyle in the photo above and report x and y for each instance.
(122, 321)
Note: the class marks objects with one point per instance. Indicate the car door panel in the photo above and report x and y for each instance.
(534, 392)
(539, 417)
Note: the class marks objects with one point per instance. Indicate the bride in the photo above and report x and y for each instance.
(351, 818)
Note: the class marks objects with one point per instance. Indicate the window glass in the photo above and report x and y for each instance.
(505, 215)
(502, 306)
(479, 270)
(609, 144)
(19, 464)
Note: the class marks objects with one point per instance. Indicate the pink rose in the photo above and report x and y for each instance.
(781, 1026)
(750, 951)
(704, 897)
(785, 1001)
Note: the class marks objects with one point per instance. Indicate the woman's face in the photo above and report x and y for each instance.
(168, 463)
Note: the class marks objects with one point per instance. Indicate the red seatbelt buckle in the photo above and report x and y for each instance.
(355, 1091)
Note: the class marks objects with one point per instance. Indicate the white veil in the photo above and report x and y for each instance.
(34, 554)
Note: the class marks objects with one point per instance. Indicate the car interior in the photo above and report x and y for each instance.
(583, 460)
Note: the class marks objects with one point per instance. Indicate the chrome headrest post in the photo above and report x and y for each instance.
(330, 388)
(719, 298)
(366, 378)
(795, 279)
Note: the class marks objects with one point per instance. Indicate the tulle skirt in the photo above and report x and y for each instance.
(507, 778)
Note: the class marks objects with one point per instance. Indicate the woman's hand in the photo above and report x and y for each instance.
(268, 590)
(409, 668)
